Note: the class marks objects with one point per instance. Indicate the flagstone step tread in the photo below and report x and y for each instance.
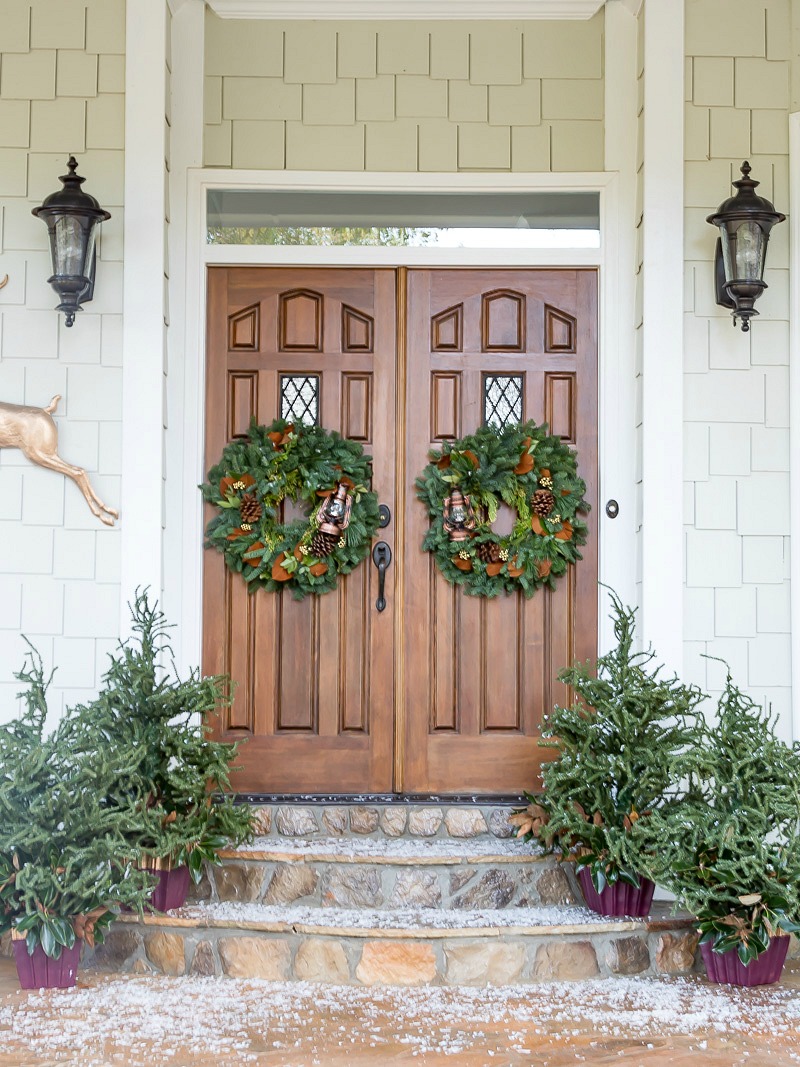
(427, 923)
(400, 851)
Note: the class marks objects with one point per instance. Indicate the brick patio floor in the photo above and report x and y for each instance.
(152, 1022)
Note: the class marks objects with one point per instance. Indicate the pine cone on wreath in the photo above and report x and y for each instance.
(250, 509)
(322, 544)
(543, 502)
(488, 552)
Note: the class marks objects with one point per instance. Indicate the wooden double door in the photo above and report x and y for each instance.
(440, 692)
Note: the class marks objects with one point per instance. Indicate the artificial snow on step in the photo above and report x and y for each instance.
(221, 1022)
(389, 849)
(410, 920)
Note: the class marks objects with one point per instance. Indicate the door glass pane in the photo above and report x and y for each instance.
(502, 399)
(300, 398)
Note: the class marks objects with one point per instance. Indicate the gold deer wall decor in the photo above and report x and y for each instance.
(33, 431)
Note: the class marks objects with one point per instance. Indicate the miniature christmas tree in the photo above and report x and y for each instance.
(731, 851)
(616, 751)
(150, 724)
(64, 853)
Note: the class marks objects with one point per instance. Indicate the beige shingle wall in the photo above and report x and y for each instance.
(62, 76)
(404, 96)
(736, 460)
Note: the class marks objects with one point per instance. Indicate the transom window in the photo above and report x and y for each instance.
(542, 219)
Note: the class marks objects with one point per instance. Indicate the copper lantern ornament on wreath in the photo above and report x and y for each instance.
(458, 516)
(333, 518)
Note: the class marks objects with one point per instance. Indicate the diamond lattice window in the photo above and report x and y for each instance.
(300, 398)
(502, 399)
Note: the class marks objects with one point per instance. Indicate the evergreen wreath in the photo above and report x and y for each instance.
(304, 464)
(536, 475)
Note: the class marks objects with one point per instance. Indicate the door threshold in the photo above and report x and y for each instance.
(380, 798)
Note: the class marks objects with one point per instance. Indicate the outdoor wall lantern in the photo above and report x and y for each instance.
(744, 223)
(71, 217)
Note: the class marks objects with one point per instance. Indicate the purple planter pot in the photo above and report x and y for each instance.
(727, 967)
(618, 900)
(40, 972)
(170, 890)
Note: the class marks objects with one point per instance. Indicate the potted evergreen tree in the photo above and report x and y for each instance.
(64, 853)
(615, 750)
(151, 724)
(731, 851)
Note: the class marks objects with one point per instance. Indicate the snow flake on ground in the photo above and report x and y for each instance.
(141, 1022)
(233, 912)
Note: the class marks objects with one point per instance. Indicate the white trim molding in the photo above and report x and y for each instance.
(143, 301)
(662, 315)
(794, 409)
(395, 10)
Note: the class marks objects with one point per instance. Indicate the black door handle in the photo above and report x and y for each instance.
(381, 557)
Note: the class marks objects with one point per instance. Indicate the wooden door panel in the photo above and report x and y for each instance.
(315, 678)
(480, 674)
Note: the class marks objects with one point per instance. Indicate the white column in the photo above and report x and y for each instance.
(183, 508)
(617, 384)
(143, 300)
(662, 407)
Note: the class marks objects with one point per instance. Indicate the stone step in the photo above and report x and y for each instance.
(397, 947)
(389, 873)
(446, 819)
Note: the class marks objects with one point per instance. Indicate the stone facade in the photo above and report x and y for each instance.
(459, 821)
(463, 882)
(607, 948)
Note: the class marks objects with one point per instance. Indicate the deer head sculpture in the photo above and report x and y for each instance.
(35, 434)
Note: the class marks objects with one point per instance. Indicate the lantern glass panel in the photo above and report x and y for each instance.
(749, 247)
(72, 247)
(725, 244)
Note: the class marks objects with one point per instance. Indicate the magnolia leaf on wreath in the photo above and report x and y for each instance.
(302, 464)
(532, 472)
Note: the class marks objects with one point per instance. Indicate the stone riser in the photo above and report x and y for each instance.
(474, 882)
(461, 821)
(496, 958)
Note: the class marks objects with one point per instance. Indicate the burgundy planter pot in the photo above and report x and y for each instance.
(171, 888)
(618, 900)
(40, 972)
(727, 967)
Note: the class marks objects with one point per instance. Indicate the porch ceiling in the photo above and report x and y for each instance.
(371, 10)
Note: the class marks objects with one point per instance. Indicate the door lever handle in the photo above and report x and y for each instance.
(382, 558)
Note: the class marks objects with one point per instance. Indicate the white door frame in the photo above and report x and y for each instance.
(617, 538)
